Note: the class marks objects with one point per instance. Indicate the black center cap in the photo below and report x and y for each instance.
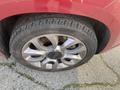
(55, 55)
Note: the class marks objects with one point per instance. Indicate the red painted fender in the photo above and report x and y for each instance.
(106, 11)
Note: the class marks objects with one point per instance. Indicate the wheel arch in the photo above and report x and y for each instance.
(101, 30)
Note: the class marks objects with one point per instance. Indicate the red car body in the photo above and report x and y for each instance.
(105, 11)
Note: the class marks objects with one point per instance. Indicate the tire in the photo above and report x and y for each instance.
(35, 25)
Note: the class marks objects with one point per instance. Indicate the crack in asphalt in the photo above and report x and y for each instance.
(118, 76)
(73, 85)
(11, 65)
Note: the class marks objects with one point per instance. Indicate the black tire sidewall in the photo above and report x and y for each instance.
(24, 37)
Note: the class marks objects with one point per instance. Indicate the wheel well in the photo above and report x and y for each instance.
(101, 30)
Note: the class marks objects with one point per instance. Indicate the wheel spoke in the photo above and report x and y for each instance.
(80, 49)
(74, 57)
(53, 39)
(32, 60)
(37, 64)
(38, 44)
(70, 60)
(68, 63)
(62, 65)
(69, 42)
(58, 48)
(30, 52)
(49, 64)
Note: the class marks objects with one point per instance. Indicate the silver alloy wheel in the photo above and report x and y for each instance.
(54, 51)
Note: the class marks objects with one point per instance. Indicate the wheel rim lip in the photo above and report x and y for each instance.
(27, 44)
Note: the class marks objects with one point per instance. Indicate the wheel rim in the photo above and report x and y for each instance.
(54, 51)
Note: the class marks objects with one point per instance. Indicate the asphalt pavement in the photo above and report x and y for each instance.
(102, 72)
